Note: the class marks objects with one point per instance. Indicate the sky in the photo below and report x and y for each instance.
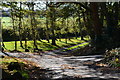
(41, 5)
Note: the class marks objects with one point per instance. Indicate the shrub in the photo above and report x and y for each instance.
(112, 57)
(8, 35)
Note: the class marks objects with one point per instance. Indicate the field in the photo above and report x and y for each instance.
(44, 45)
(6, 22)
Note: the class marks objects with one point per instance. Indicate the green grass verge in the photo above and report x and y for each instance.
(7, 22)
(44, 45)
(78, 46)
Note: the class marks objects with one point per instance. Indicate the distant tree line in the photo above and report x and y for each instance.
(9, 36)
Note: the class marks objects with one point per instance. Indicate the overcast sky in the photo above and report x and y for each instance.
(40, 5)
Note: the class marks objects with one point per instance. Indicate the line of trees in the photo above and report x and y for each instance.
(31, 20)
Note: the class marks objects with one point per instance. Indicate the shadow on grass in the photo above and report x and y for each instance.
(86, 40)
(47, 46)
(71, 40)
(70, 44)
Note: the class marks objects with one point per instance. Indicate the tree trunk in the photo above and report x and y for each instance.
(47, 29)
(87, 23)
(13, 24)
(66, 39)
(1, 41)
(20, 25)
(15, 35)
(79, 24)
(52, 17)
(59, 34)
(66, 30)
(75, 35)
(33, 25)
(97, 27)
(25, 43)
(95, 18)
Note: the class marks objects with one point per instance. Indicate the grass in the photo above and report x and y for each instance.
(78, 46)
(6, 22)
(44, 45)
(4, 63)
(7, 60)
